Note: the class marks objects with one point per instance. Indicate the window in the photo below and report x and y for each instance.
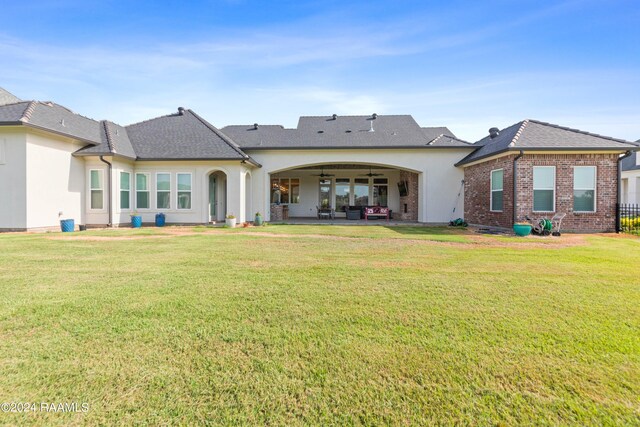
(544, 188)
(125, 190)
(343, 191)
(163, 190)
(184, 190)
(584, 189)
(497, 187)
(361, 192)
(97, 193)
(325, 193)
(285, 190)
(142, 191)
(380, 191)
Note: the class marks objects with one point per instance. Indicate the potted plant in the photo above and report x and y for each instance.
(136, 220)
(522, 229)
(258, 219)
(230, 221)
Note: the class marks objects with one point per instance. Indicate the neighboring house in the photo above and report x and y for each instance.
(56, 164)
(630, 191)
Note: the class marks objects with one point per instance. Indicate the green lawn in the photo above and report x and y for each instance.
(326, 325)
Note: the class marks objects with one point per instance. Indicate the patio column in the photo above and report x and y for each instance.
(236, 197)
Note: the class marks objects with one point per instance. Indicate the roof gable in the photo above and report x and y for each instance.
(7, 97)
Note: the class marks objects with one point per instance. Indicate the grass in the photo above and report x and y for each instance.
(291, 325)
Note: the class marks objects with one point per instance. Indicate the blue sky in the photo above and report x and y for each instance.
(469, 65)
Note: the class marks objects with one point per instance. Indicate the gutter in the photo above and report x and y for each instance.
(515, 186)
(619, 192)
(110, 223)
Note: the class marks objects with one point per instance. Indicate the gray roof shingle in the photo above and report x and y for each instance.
(536, 135)
(7, 97)
(630, 163)
(114, 141)
(343, 132)
(51, 117)
(181, 136)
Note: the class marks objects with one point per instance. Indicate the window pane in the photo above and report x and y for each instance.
(497, 180)
(284, 190)
(184, 182)
(184, 200)
(124, 199)
(142, 199)
(96, 199)
(96, 180)
(163, 182)
(141, 182)
(342, 193)
(543, 200)
(163, 200)
(361, 192)
(496, 200)
(543, 177)
(125, 181)
(295, 190)
(325, 193)
(380, 195)
(584, 200)
(584, 177)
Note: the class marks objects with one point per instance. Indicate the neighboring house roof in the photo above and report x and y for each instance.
(7, 97)
(181, 136)
(321, 132)
(630, 163)
(536, 135)
(51, 117)
(114, 142)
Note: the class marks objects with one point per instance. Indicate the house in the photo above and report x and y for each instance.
(57, 164)
(630, 184)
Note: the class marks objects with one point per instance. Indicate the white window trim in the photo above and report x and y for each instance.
(120, 190)
(178, 191)
(491, 190)
(534, 189)
(595, 188)
(163, 191)
(91, 189)
(148, 190)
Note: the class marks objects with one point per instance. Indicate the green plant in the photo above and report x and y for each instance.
(258, 214)
(231, 216)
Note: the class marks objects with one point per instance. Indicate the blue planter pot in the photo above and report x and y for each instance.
(258, 220)
(522, 230)
(160, 220)
(136, 221)
(67, 225)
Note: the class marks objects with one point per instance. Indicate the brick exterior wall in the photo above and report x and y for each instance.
(411, 200)
(477, 191)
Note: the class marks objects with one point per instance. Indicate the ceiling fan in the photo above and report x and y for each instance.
(322, 174)
(371, 174)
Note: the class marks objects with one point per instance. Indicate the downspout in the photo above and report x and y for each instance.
(619, 193)
(108, 191)
(515, 186)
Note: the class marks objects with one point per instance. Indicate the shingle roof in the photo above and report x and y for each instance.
(51, 117)
(7, 97)
(342, 132)
(630, 163)
(114, 141)
(181, 136)
(536, 135)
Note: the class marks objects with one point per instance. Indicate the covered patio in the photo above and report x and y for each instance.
(344, 194)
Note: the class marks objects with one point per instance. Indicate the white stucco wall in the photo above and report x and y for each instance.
(54, 180)
(631, 186)
(13, 178)
(230, 187)
(439, 180)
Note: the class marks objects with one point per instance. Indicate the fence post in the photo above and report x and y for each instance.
(618, 230)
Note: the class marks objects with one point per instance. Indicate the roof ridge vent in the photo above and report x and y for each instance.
(181, 111)
(334, 116)
(255, 126)
(493, 132)
(374, 116)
